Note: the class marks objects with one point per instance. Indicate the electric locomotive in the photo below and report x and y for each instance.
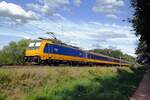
(51, 51)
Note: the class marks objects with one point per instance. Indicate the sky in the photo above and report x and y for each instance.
(88, 24)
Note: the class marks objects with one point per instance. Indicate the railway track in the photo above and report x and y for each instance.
(37, 66)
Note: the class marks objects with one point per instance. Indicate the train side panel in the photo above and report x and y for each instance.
(58, 52)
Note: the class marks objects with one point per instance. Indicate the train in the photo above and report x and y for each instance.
(53, 52)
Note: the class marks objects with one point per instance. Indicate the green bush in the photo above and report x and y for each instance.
(2, 97)
(118, 86)
(90, 83)
(13, 53)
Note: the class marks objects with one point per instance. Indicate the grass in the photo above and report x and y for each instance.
(65, 83)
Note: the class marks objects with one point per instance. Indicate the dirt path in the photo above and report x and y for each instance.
(143, 91)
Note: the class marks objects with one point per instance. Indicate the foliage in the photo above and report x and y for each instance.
(141, 23)
(115, 53)
(14, 52)
(67, 83)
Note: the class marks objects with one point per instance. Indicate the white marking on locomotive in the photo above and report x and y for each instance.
(55, 49)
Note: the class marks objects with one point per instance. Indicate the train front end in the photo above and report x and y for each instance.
(33, 52)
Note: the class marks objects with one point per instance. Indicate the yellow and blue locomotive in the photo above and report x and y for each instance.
(50, 51)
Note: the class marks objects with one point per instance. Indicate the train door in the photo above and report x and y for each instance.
(86, 54)
(50, 49)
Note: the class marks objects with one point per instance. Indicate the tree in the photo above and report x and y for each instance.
(141, 24)
(14, 52)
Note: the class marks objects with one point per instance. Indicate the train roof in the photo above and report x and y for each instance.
(62, 44)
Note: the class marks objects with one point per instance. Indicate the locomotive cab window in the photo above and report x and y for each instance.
(37, 44)
(31, 44)
(34, 45)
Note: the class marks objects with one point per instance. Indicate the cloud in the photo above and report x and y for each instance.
(57, 17)
(108, 7)
(112, 16)
(16, 13)
(87, 35)
(48, 6)
(74, 43)
(77, 2)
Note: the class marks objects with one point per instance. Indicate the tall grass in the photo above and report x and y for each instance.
(68, 83)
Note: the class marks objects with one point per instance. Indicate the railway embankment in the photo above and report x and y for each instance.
(68, 83)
